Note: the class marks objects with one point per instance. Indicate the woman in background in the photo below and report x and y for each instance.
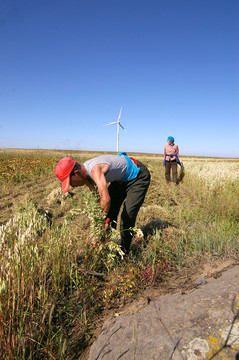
(171, 160)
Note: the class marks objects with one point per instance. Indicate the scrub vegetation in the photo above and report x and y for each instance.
(60, 271)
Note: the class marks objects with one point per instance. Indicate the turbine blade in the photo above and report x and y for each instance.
(115, 122)
(122, 127)
(120, 113)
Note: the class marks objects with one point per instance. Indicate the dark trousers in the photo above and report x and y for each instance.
(168, 166)
(132, 193)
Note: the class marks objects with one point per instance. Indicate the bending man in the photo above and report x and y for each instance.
(129, 181)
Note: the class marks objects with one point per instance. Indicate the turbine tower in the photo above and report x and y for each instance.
(118, 126)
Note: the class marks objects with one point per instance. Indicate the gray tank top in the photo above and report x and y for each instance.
(117, 164)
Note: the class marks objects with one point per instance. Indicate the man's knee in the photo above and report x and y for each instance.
(128, 219)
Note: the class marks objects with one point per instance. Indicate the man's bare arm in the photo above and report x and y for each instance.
(98, 175)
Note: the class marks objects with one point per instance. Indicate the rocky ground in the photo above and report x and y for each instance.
(197, 322)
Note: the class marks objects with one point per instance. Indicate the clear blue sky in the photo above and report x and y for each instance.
(67, 66)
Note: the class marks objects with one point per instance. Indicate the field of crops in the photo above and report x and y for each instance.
(214, 172)
(59, 271)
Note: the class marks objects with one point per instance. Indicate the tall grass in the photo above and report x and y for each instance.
(211, 217)
(37, 272)
(48, 288)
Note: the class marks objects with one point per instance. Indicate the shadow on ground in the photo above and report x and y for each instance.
(149, 230)
(181, 174)
(155, 224)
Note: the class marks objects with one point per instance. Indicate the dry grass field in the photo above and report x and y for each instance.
(59, 271)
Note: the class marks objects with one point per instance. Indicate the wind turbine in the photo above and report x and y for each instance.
(118, 126)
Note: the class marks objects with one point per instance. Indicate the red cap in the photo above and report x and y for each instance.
(63, 170)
